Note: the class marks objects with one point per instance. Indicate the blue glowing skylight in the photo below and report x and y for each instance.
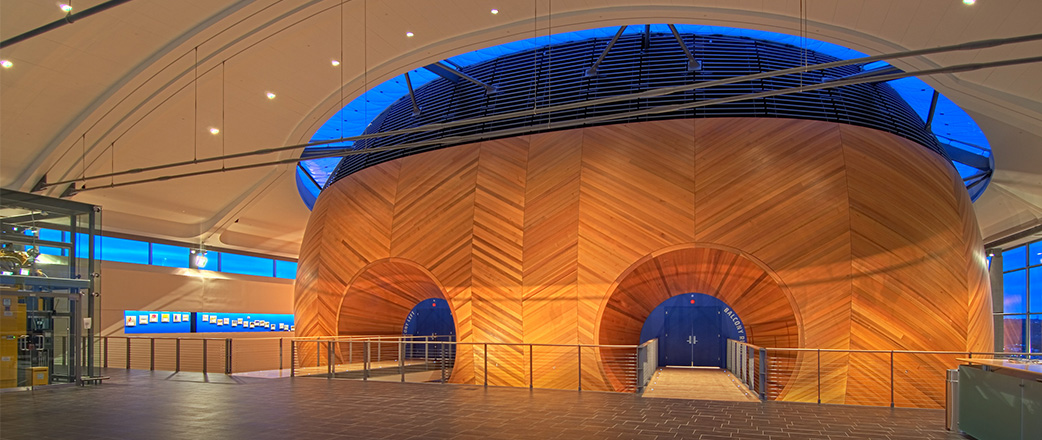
(951, 124)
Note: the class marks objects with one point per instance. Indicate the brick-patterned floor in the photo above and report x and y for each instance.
(162, 405)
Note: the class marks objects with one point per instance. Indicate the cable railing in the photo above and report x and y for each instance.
(895, 378)
(622, 368)
(441, 359)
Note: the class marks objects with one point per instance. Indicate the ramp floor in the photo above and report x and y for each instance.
(698, 383)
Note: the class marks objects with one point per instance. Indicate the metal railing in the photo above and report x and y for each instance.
(193, 354)
(895, 378)
(625, 368)
(622, 368)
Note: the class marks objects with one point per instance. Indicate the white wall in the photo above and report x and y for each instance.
(125, 286)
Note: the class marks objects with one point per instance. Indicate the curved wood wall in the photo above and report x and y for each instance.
(870, 239)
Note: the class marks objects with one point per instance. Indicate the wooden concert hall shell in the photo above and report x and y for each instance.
(818, 234)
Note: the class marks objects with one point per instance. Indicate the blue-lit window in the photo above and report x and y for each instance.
(288, 269)
(1022, 298)
(169, 256)
(247, 265)
(1035, 289)
(52, 235)
(1014, 288)
(1013, 332)
(1014, 258)
(1036, 333)
(83, 246)
(124, 251)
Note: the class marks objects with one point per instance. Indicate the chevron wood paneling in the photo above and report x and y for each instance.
(817, 234)
(776, 189)
(910, 259)
(361, 209)
(550, 253)
(434, 227)
(498, 229)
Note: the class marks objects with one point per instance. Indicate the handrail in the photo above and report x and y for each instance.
(911, 378)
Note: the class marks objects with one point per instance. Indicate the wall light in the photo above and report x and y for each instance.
(214, 130)
(270, 95)
(199, 259)
(969, 2)
(409, 34)
(335, 63)
(6, 64)
(494, 11)
(65, 7)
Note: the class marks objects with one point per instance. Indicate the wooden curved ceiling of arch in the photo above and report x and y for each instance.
(379, 299)
(764, 308)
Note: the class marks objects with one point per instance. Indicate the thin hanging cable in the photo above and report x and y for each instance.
(195, 118)
(223, 125)
(341, 85)
(83, 156)
(112, 155)
(549, 58)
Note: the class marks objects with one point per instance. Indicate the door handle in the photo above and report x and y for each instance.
(23, 343)
(39, 343)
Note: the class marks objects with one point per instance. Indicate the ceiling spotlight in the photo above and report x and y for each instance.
(969, 2)
(335, 63)
(214, 130)
(409, 34)
(6, 64)
(270, 95)
(494, 11)
(65, 7)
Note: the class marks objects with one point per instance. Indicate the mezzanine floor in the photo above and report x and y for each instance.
(164, 405)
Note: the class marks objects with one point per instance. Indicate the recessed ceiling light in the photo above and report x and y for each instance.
(969, 2)
(6, 64)
(65, 7)
(270, 95)
(409, 34)
(214, 130)
(494, 11)
(335, 63)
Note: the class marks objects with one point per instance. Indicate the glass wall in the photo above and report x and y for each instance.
(143, 252)
(1021, 314)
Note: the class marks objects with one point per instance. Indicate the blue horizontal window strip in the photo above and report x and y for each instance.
(285, 269)
(137, 252)
(169, 256)
(123, 250)
(247, 265)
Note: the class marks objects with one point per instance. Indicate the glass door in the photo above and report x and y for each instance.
(38, 345)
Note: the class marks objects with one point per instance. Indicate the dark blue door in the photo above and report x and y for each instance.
(692, 336)
(692, 329)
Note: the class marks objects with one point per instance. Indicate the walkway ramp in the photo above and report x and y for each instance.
(702, 383)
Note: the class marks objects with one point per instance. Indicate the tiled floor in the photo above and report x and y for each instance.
(161, 405)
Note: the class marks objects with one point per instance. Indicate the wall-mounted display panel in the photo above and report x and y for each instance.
(242, 322)
(154, 321)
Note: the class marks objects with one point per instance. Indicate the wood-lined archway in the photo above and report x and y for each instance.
(765, 308)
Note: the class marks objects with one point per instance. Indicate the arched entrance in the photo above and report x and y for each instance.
(767, 314)
(692, 330)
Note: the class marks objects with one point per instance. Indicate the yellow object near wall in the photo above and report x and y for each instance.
(12, 325)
